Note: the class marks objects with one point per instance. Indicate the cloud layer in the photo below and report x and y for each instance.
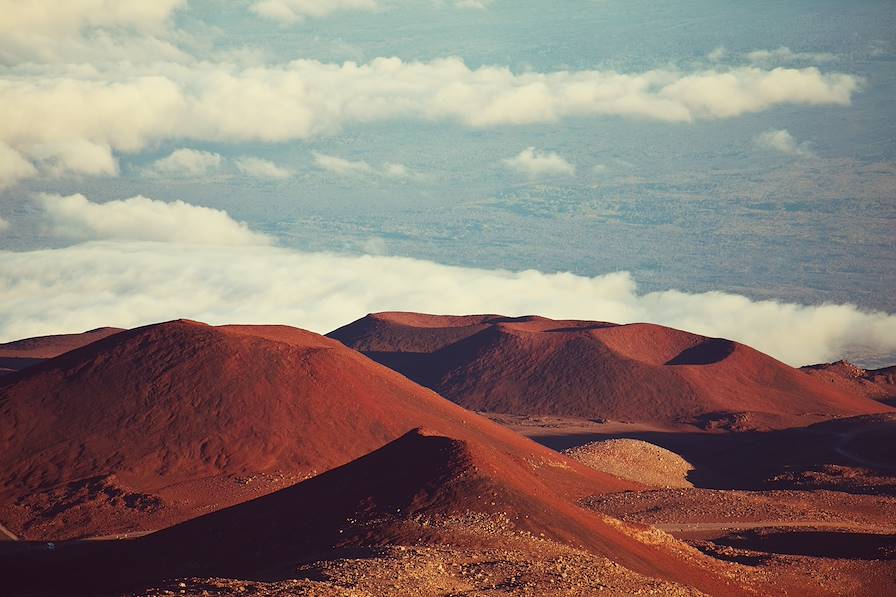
(86, 31)
(128, 281)
(132, 283)
(72, 15)
(74, 217)
(221, 102)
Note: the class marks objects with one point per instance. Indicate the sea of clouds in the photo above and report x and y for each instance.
(139, 260)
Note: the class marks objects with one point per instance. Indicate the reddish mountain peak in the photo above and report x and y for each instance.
(634, 372)
(54, 345)
(182, 413)
(841, 367)
(878, 384)
(20, 354)
(422, 320)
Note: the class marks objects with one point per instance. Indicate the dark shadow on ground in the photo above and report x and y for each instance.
(840, 455)
(821, 544)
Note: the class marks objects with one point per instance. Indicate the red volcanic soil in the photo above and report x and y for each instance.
(19, 354)
(879, 384)
(636, 372)
(158, 424)
(423, 488)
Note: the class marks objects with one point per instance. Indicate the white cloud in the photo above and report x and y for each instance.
(395, 170)
(139, 218)
(781, 141)
(717, 54)
(59, 17)
(4, 224)
(127, 109)
(344, 167)
(56, 158)
(133, 283)
(185, 162)
(341, 166)
(535, 163)
(785, 55)
(260, 168)
(293, 11)
(204, 265)
(74, 156)
(85, 30)
(13, 167)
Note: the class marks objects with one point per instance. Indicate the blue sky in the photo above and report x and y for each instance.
(745, 148)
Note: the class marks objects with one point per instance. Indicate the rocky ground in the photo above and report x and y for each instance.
(671, 507)
(425, 571)
(635, 460)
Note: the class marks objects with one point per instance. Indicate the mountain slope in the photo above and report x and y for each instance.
(424, 488)
(636, 372)
(157, 424)
(19, 354)
(879, 384)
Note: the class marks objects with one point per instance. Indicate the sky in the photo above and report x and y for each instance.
(724, 167)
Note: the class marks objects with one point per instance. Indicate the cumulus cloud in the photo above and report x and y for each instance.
(139, 218)
(536, 163)
(75, 156)
(85, 30)
(344, 167)
(781, 141)
(185, 162)
(59, 17)
(293, 11)
(133, 283)
(259, 168)
(125, 110)
(784, 55)
(56, 158)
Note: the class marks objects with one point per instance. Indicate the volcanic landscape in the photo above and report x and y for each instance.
(413, 454)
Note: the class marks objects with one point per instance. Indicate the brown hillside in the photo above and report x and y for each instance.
(422, 489)
(636, 372)
(19, 354)
(158, 424)
(879, 384)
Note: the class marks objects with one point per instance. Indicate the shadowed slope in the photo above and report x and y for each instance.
(423, 488)
(20, 354)
(156, 424)
(636, 372)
